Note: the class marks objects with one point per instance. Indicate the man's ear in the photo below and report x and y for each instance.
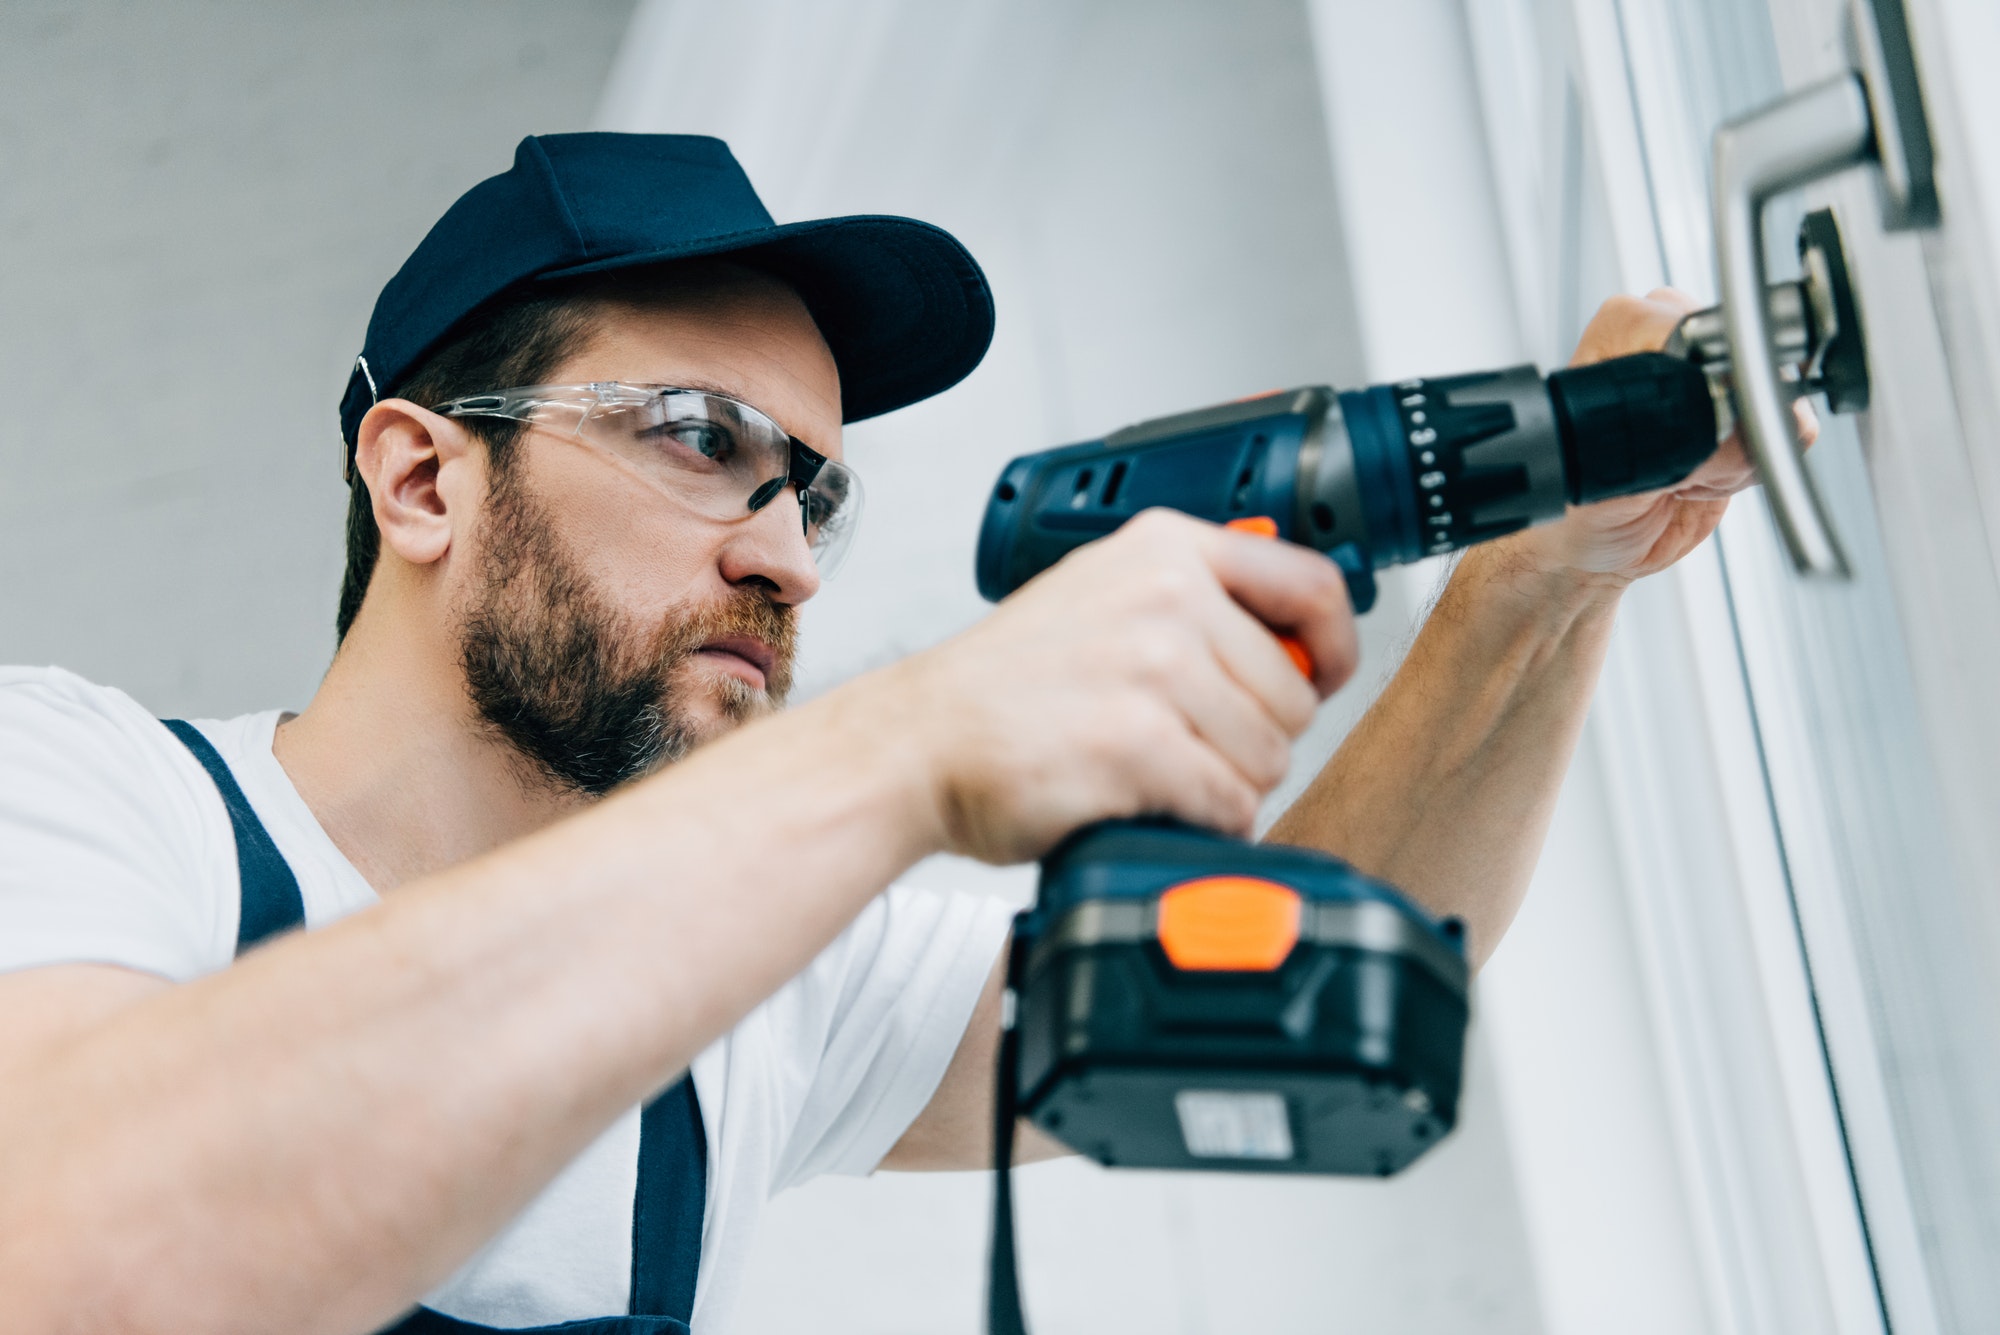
(417, 465)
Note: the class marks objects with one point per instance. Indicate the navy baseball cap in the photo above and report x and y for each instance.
(903, 307)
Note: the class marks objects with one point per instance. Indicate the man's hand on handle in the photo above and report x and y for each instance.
(1142, 674)
(1633, 536)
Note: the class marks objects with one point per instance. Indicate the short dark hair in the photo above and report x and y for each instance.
(521, 339)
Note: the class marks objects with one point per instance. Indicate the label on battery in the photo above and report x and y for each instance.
(1234, 1124)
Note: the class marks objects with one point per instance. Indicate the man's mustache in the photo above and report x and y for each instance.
(745, 612)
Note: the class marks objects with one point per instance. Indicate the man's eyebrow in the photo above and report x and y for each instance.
(708, 386)
(700, 383)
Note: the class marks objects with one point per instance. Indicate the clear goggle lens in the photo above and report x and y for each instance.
(719, 457)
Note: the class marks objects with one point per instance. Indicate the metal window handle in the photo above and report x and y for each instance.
(1813, 132)
(1873, 115)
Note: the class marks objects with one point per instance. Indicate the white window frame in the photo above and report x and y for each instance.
(1696, 1147)
(1869, 940)
(1765, 1154)
(1769, 1154)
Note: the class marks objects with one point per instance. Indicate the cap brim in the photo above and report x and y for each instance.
(903, 307)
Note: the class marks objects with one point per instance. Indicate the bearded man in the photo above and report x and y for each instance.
(501, 985)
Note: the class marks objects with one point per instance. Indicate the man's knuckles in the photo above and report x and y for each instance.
(1229, 805)
(1324, 585)
(1133, 728)
(1160, 526)
(1336, 654)
(1621, 314)
(1158, 654)
(1626, 324)
(1267, 757)
(1170, 583)
(1195, 784)
(1294, 706)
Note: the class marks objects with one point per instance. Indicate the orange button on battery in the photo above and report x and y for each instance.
(1229, 922)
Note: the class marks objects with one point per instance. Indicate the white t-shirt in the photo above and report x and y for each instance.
(115, 847)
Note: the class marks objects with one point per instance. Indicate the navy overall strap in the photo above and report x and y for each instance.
(668, 1205)
(666, 1232)
(672, 1192)
(424, 1321)
(271, 900)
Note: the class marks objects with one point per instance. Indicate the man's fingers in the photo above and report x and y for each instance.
(1729, 470)
(1627, 324)
(1295, 592)
(1257, 662)
(1194, 784)
(1807, 422)
(1236, 724)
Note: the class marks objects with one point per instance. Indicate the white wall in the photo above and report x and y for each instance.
(1148, 186)
(198, 204)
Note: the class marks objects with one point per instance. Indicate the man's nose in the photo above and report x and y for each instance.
(771, 546)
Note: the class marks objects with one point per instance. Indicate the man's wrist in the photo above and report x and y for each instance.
(876, 720)
(1528, 568)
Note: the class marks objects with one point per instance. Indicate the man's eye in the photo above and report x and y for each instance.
(703, 438)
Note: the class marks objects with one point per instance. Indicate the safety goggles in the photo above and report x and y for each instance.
(716, 455)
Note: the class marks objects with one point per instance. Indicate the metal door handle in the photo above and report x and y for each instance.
(1875, 115)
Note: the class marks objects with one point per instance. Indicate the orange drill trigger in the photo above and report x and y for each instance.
(1257, 526)
(1263, 526)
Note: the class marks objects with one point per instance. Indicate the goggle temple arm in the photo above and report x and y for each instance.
(806, 463)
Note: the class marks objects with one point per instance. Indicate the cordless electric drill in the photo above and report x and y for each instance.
(1187, 1000)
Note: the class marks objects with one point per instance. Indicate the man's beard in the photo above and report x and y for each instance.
(589, 699)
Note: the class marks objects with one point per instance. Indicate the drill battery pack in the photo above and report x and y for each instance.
(1184, 1001)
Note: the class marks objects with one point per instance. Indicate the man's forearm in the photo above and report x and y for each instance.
(1446, 787)
(313, 1138)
